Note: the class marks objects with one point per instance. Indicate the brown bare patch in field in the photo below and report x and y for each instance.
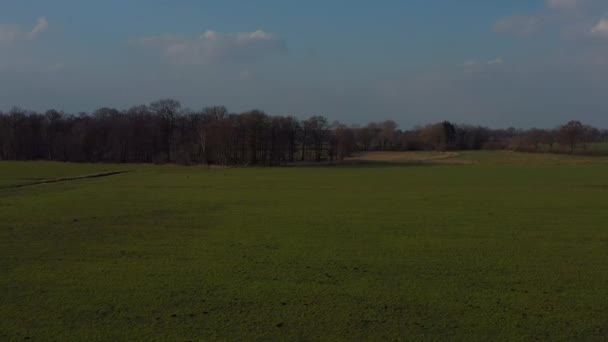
(408, 157)
(519, 158)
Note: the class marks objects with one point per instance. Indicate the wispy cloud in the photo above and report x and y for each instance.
(213, 46)
(563, 4)
(571, 18)
(477, 63)
(10, 34)
(521, 25)
(600, 29)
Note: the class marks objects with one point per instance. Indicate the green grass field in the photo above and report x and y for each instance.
(600, 148)
(498, 246)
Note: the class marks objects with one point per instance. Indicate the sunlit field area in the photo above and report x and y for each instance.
(414, 246)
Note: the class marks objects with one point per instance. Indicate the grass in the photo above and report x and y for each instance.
(507, 246)
(599, 148)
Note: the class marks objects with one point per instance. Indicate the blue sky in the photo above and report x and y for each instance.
(499, 63)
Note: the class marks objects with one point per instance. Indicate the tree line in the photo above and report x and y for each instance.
(163, 132)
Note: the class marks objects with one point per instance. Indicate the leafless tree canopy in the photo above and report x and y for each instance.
(163, 132)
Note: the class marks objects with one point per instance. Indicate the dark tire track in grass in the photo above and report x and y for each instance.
(64, 179)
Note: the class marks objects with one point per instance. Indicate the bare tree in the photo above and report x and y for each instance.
(167, 109)
(571, 134)
(440, 136)
(163, 132)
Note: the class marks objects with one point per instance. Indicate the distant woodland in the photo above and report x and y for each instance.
(163, 132)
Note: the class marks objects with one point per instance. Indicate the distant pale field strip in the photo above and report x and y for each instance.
(474, 157)
(518, 158)
(408, 157)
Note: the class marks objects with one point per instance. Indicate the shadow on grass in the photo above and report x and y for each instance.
(66, 179)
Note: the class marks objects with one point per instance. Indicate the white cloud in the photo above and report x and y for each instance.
(159, 40)
(478, 63)
(497, 61)
(521, 25)
(11, 34)
(563, 4)
(42, 24)
(213, 46)
(571, 19)
(601, 29)
(470, 63)
(245, 75)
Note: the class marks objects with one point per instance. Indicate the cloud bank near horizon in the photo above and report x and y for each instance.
(12, 33)
(535, 67)
(215, 47)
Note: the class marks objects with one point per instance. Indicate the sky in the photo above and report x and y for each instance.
(500, 63)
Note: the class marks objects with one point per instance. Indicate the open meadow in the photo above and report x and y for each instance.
(468, 246)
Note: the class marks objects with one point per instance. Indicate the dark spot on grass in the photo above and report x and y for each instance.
(280, 325)
(61, 180)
